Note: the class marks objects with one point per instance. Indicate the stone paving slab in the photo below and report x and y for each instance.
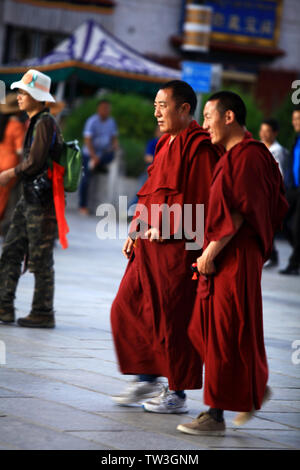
(56, 385)
(139, 439)
(290, 419)
(167, 425)
(27, 436)
(288, 438)
(61, 417)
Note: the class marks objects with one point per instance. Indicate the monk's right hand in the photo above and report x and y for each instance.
(128, 247)
(153, 235)
(205, 264)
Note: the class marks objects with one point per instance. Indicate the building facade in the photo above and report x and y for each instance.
(253, 40)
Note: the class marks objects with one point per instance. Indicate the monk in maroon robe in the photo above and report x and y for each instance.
(153, 307)
(246, 205)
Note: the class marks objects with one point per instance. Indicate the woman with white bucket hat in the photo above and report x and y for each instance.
(33, 227)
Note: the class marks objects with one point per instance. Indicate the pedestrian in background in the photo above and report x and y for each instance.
(100, 144)
(268, 133)
(291, 227)
(12, 132)
(33, 227)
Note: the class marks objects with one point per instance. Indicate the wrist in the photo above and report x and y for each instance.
(209, 253)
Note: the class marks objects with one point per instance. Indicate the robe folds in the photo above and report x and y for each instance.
(154, 303)
(227, 322)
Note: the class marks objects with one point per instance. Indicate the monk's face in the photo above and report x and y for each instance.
(215, 123)
(171, 117)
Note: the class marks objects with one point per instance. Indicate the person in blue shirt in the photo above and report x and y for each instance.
(100, 142)
(291, 226)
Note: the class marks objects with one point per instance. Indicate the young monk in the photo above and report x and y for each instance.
(246, 204)
(153, 307)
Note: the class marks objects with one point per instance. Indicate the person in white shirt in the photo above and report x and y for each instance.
(268, 133)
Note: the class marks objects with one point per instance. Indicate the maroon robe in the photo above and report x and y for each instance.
(153, 307)
(227, 323)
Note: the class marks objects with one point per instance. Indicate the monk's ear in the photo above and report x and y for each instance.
(185, 108)
(229, 116)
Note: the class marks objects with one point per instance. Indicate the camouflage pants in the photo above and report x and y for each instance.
(31, 234)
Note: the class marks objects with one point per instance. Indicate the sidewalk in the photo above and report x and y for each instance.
(56, 384)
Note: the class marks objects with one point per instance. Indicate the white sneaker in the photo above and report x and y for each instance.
(137, 392)
(166, 402)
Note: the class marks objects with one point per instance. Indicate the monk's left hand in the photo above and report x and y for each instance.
(205, 265)
(6, 176)
(153, 235)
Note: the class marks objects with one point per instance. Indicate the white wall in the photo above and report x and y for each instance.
(146, 25)
(289, 40)
(50, 19)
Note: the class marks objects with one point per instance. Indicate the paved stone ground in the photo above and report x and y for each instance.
(55, 386)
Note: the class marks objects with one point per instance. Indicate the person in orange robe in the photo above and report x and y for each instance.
(12, 133)
(246, 205)
(152, 309)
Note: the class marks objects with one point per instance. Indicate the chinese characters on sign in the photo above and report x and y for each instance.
(243, 21)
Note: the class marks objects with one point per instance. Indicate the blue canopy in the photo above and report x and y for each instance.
(98, 58)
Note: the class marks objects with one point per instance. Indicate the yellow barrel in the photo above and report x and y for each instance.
(197, 28)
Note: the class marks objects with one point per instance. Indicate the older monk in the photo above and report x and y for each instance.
(153, 307)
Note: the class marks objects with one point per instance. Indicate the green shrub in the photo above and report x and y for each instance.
(134, 151)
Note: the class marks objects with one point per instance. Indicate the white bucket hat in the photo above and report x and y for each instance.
(37, 84)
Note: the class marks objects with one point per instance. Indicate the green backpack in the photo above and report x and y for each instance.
(70, 158)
